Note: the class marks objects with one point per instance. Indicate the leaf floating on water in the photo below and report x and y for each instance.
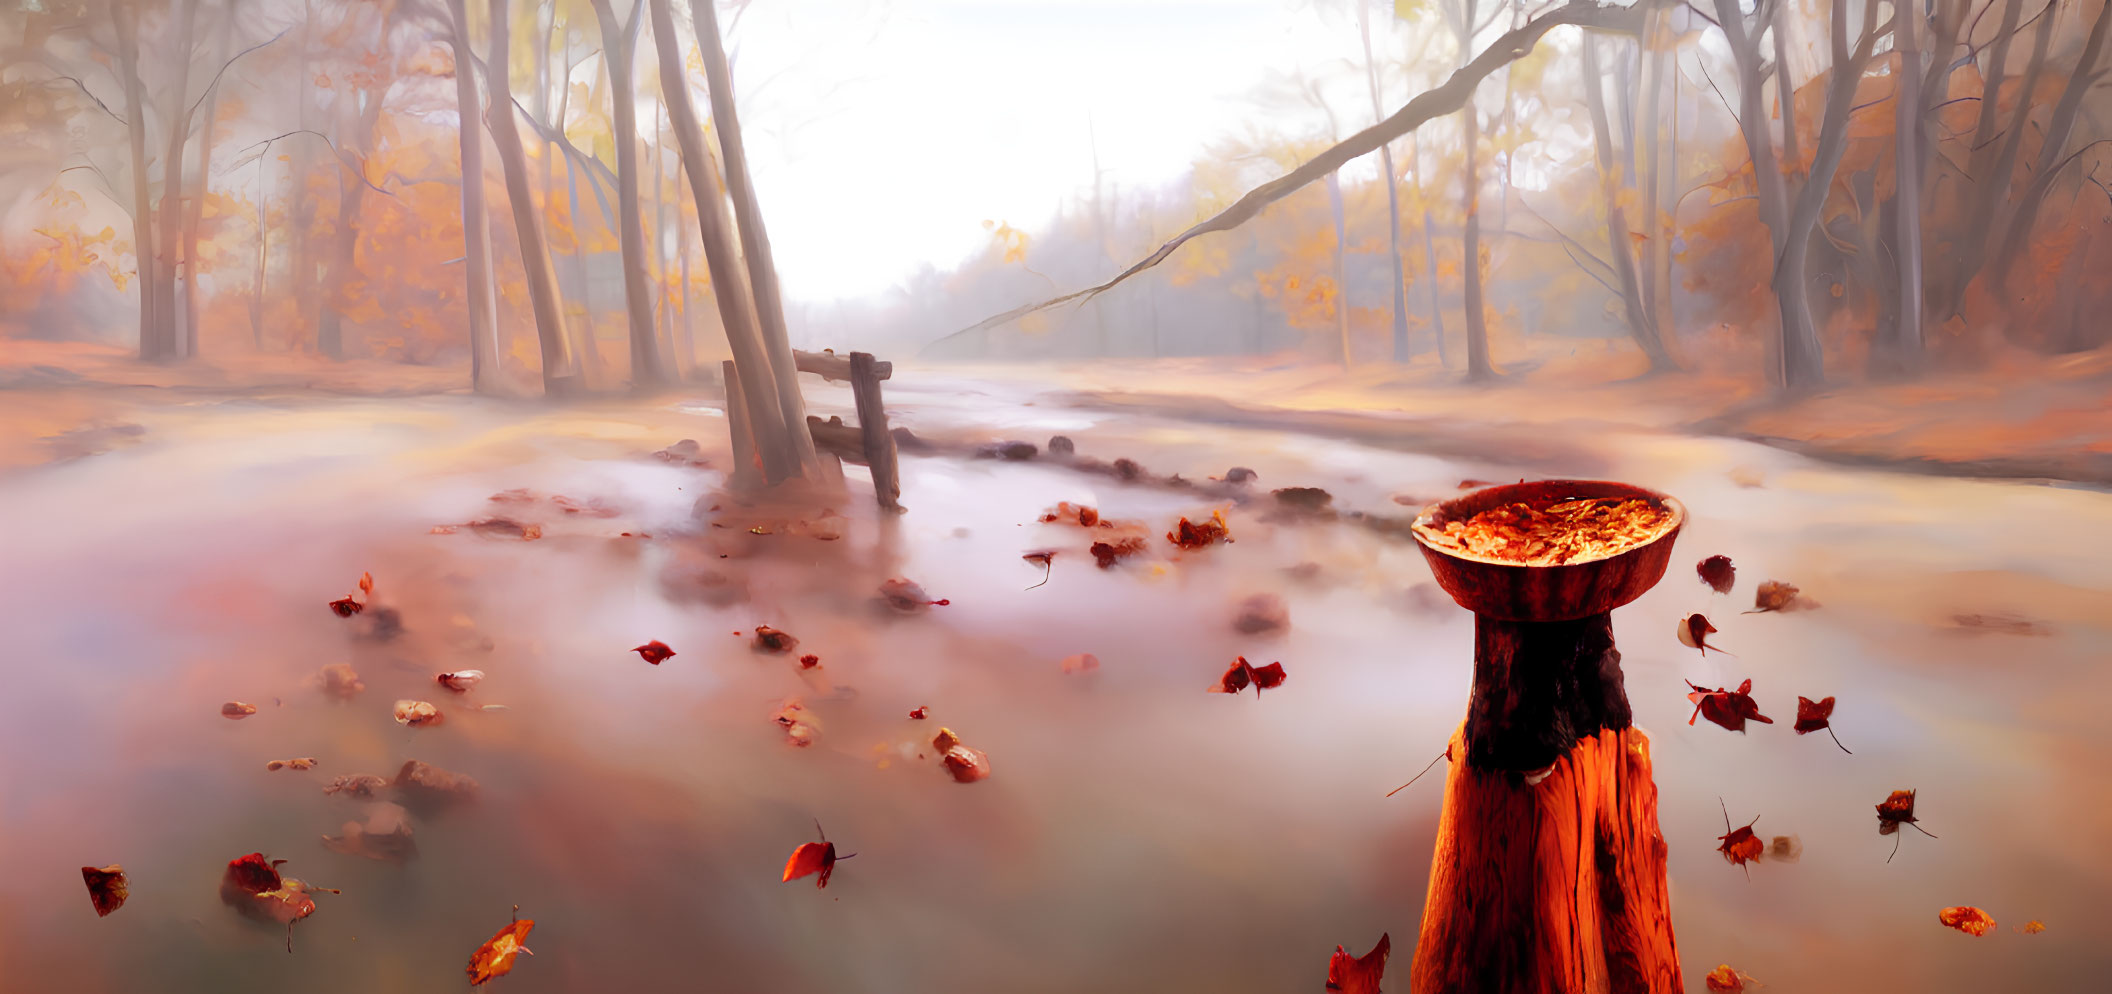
(800, 725)
(1106, 554)
(1718, 573)
(768, 639)
(495, 957)
(1694, 631)
(1729, 708)
(906, 596)
(920, 713)
(366, 583)
(1241, 674)
(1775, 595)
(359, 786)
(654, 652)
(384, 836)
(2033, 927)
(107, 888)
(1359, 974)
(1814, 715)
(441, 530)
(1894, 811)
(1066, 512)
(1200, 535)
(1970, 920)
(422, 784)
(964, 764)
(2000, 624)
(1044, 558)
(304, 763)
(236, 710)
(518, 495)
(809, 661)
(1784, 849)
(253, 887)
(1740, 846)
(814, 857)
(460, 681)
(418, 714)
(1724, 980)
(1084, 662)
(345, 607)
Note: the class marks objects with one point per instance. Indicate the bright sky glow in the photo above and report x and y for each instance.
(882, 134)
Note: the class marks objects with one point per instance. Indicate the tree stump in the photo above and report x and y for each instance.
(1549, 870)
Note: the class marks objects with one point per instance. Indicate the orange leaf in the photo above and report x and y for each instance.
(495, 957)
(1359, 974)
(1969, 920)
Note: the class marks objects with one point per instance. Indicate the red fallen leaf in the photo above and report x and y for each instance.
(1192, 535)
(1067, 512)
(460, 680)
(495, 957)
(654, 652)
(1814, 715)
(253, 887)
(1359, 974)
(366, 583)
(809, 661)
(107, 888)
(1895, 811)
(1740, 846)
(1729, 708)
(1242, 673)
(1694, 632)
(1718, 573)
(1969, 920)
(906, 596)
(236, 710)
(418, 714)
(814, 857)
(1724, 980)
(920, 713)
(768, 639)
(1084, 662)
(965, 764)
(1044, 558)
(1107, 553)
(346, 607)
(303, 763)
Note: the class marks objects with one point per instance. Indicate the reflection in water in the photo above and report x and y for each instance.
(1138, 834)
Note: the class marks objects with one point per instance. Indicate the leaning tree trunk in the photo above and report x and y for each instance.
(1393, 197)
(560, 369)
(122, 17)
(480, 291)
(755, 240)
(618, 43)
(170, 227)
(775, 448)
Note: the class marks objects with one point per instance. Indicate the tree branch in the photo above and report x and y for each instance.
(223, 71)
(344, 158)
(1445, 99)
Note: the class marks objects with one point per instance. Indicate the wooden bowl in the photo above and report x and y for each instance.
(1510, 591)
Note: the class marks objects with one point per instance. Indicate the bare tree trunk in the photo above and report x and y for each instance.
(686, 348)
(1401, 352)
(663, 307)
(300, 209)
(755, 240)
(170, 226)
(123, 17)
(344, 251)
(1341, 302)
(1909, 133)
(1785, 89)
(256, 290)
(1478, 364)
(1620, 254)
(560, 368)
(193, 215)
(2059, 128)
(1437, 313)
(480, 292)
(729, 284)
(1992, 176)
(1664, 185)
(618, 43)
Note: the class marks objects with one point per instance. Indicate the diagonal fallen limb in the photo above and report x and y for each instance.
(1426, 106)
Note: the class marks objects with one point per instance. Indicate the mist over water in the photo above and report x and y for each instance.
(269, 322)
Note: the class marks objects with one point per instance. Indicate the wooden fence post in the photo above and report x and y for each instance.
(872, 421)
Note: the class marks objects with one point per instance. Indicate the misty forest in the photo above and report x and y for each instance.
(538, 483)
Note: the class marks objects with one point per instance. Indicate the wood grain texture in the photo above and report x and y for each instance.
(1555, 887)
(1515, 592)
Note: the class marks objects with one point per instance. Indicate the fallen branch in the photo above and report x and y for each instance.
(1425, 107)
